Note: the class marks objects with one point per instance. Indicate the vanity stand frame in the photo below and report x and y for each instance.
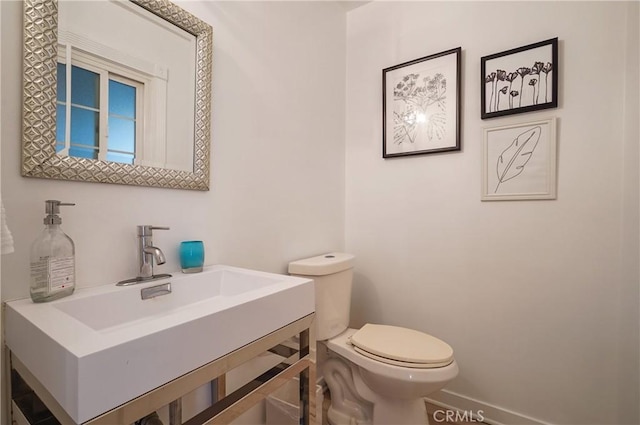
(227, 407)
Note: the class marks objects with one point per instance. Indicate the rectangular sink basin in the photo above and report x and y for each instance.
(104, 311)
(104, 346)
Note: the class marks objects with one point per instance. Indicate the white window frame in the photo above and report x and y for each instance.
(139, 118)
(150, 99)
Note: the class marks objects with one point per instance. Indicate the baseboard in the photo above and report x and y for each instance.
(489, 413)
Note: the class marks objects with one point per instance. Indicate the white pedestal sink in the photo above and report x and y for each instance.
(103, 346)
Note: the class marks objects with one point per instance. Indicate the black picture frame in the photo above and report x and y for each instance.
(421, 105)
(515, 76)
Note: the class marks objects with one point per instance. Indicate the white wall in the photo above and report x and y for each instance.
(630, 264)
(1, 354)
(535, 297)
(538, 299)
(278, 120)
(277, 189)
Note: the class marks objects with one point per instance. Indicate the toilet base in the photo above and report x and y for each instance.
(400, 412)
(335, 417)
(353, 403)
(404, 412)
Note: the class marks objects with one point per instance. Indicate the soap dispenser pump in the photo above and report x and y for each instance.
(53, 264)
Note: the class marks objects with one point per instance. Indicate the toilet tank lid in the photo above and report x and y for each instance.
(322, 265)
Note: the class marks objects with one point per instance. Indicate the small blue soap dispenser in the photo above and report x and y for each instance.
(53, 259)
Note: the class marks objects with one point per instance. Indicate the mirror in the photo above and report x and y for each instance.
(134, 124)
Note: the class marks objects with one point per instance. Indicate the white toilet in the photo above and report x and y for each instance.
(377, 374)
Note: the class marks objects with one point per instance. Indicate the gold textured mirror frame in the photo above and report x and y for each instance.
(39, 157)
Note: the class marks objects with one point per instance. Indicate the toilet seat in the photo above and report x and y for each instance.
(401, 347)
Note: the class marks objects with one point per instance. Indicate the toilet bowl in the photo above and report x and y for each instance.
(377, 374)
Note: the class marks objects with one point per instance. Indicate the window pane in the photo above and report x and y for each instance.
(61, 121)
(84, 127)
(62, 82)
(80, 152)
(122, 99)
(120, 157)
(122, 135)
(85, 87)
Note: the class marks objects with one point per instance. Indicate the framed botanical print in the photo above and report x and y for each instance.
(421, 105)
(520, 80)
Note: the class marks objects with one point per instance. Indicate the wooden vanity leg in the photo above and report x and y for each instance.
(221, 387)
(304, 380)
(175, 412)
(6, 409)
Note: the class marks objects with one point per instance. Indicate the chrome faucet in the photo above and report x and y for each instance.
(147, 253)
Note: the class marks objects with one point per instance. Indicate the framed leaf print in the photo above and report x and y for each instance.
(519, 161)
(421, 105)
(519, 80)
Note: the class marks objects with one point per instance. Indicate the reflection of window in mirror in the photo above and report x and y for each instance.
(121, 140)
(103, 120)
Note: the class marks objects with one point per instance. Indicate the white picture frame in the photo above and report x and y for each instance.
(519, 161)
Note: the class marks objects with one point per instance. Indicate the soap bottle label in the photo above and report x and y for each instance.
(40, 272)
(61, 272)
(53, 273)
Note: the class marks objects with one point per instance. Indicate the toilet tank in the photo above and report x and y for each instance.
(333, 275)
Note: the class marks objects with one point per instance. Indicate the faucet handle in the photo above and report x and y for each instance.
(147, 229)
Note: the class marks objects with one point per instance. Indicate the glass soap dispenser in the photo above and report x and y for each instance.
(53, 262)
